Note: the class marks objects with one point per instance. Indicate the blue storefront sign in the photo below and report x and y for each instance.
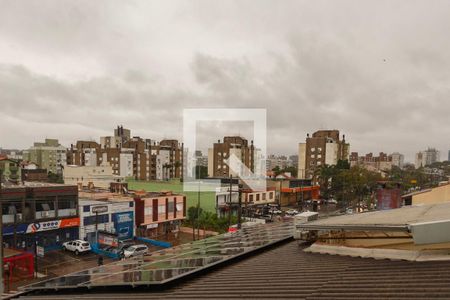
(20, 228)
(124, 224)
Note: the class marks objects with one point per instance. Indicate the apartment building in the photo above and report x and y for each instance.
(135, 157)
(274, 161)
(48, 155)
(91, 176)
(380, 163)
(324, 147)
(398, 160)
(221, 152)
(426, 157)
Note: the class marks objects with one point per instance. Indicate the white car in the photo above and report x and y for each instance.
(135, 250)
(292, 212)
(77, 246)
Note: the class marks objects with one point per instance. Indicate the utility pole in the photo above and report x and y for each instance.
(1, 235)
(239, 208)
(229, 205)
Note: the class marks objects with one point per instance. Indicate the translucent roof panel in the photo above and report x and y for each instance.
(166, 265)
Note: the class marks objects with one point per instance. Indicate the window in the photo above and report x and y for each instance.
(161, 209)
(271, 195)
(148, 211)
(264, 196)
(92, 220)
(257, 197)
(250, 198)
(171, 206)
(86, 208)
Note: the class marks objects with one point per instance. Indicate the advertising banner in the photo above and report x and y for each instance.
(51, 225)
(124, 224)
(108, 239)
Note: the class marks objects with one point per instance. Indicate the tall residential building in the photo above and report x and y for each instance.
(49, 155)
(324, 147)
(274, 161)
(427, 157)
(398, 159)
(221, 151)
(382, 162)
(142, 159)
(202, 160)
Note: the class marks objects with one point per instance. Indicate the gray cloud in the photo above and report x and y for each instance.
(377, 70)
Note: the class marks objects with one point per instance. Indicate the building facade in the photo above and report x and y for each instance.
(131, 157)
(49, 155)
(324, 147)
(91, 176)
(221, 152)
(398, 160)
(39, 214)
(158, 213)
(111, 213)
(427, 157)
(380, 163)
(10, 170)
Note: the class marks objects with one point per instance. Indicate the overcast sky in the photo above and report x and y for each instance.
(377, 70)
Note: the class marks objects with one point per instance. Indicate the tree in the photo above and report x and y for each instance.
(193, 215)
(201, 172)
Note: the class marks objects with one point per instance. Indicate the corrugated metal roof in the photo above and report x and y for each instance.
(285, 271)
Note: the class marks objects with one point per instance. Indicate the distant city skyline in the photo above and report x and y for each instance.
(378, 72)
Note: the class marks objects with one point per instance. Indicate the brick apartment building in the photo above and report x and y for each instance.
(324, 147)
(142, 159)
(221, 151)
(382, 162)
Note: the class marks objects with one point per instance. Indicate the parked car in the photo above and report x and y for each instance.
(292, 212)
(77, 246)
(332, 201)
(135, 250)
(275, 211)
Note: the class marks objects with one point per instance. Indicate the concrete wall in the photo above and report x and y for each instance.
(100, 176)
(437, 195)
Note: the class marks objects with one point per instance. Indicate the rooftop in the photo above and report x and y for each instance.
(285, 271)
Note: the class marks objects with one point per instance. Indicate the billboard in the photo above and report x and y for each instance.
(124, 225)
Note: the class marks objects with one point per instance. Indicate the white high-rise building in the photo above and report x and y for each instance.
(398, 159)
(427, 157)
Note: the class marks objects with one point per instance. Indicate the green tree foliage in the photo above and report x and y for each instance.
(348, 185)
(201, 172)
(207, 221)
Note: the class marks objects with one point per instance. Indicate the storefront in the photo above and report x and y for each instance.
(49, 234)
(112, 216)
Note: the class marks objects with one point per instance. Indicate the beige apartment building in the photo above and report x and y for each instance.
(324, 147)
(91, 176)
(380, 163)
(48, 155)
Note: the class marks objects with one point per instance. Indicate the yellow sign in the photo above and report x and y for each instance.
(413, 181)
